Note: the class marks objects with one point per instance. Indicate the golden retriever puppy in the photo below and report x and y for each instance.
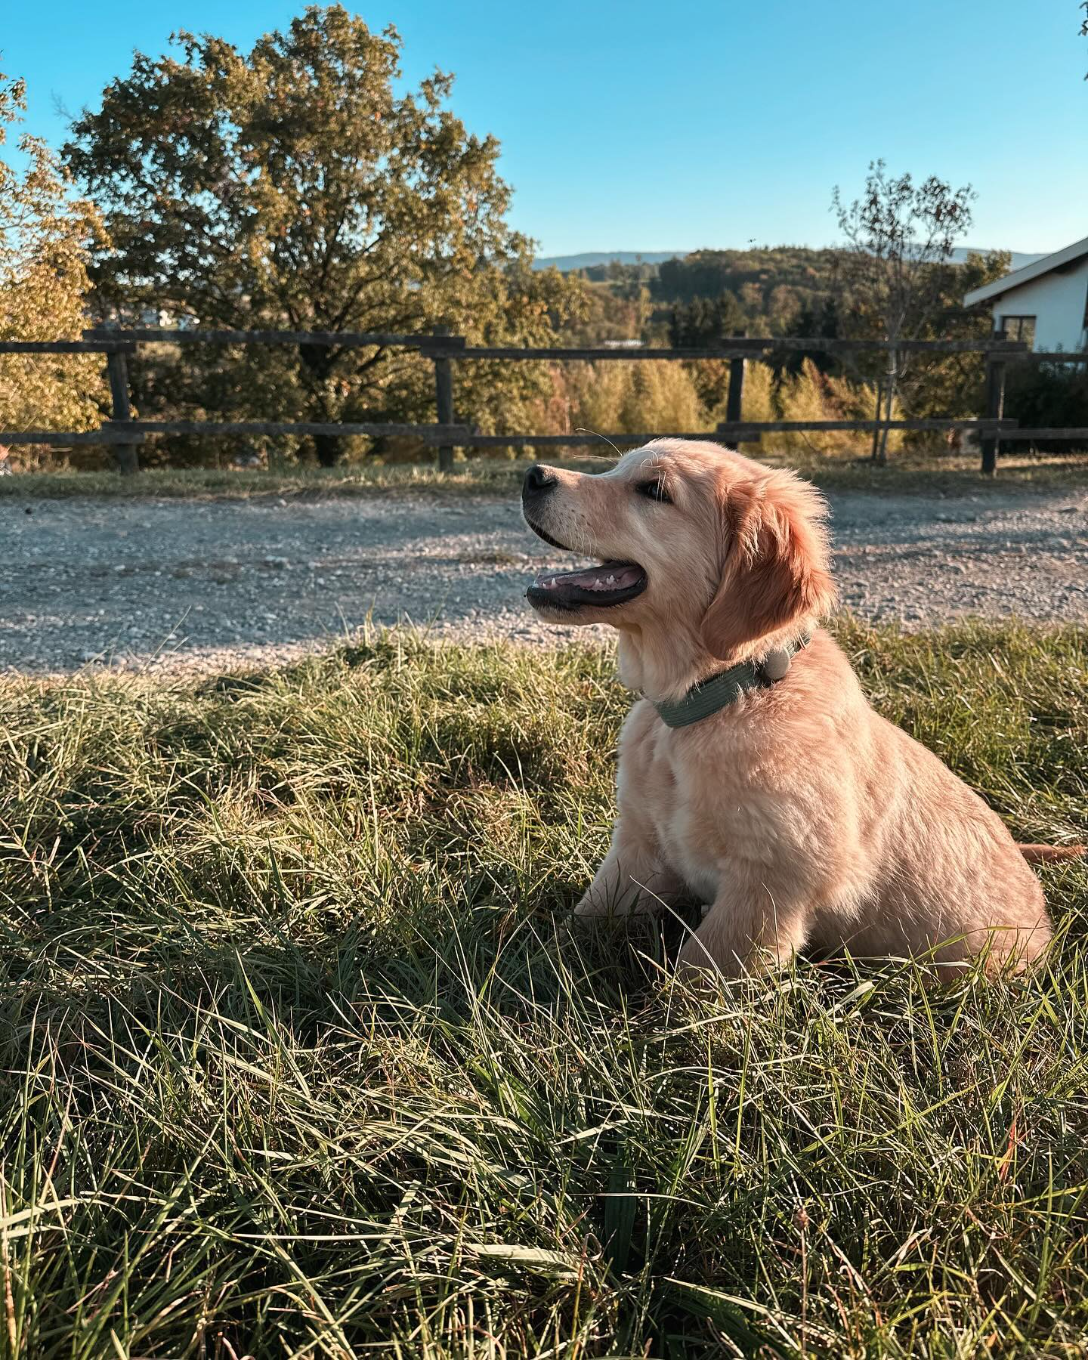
(753, 773)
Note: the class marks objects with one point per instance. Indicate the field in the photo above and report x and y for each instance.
(300, 1055)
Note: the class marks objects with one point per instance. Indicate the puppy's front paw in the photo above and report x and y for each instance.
(593, 905)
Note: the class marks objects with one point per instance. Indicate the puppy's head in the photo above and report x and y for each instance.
(690, 539)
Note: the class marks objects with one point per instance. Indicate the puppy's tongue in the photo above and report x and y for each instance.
(611, 576)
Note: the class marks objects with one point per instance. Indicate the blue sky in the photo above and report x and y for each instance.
(663, 126)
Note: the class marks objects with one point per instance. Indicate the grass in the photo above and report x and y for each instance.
(480, 477)
(299, 1056)
(906, 474)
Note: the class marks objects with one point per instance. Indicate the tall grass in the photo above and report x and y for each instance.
(300, 1057)
(659, 395)
(635, 397)
(809, 394)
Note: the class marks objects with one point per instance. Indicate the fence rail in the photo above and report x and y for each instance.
(143, 335)
(430, 434)
(458, 348)
(67, 346)
(110, 433)
(125, 434)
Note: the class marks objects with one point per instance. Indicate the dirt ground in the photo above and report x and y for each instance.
(174, 584)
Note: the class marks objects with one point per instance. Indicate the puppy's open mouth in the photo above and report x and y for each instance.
(610, 583)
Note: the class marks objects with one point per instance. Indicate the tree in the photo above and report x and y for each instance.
(704, 323)
(1084, 23)
(820, 320)
(294, 188)
(896, 269)
(953, 385)
(44, 233)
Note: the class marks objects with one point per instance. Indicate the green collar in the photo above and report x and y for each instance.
(723, 689)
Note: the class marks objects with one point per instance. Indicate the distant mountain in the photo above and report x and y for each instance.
(1019, 258)
(566, 263)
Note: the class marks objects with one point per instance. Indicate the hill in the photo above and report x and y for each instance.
(688, 299)
(567, 264)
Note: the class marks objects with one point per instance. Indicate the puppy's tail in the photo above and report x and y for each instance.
(1051, 854)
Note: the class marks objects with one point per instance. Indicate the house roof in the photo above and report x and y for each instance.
(1025, 275)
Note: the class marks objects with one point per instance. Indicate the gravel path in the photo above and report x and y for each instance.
(179, 584)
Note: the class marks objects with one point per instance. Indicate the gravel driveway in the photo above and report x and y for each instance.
(171, 584)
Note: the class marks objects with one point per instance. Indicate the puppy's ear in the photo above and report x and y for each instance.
(775, 562)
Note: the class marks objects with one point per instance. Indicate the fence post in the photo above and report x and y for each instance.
(117, 368)
(734, 402)
(995, 406)
(877, 417)
(443, 386)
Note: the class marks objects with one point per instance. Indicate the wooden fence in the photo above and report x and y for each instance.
(125, 434)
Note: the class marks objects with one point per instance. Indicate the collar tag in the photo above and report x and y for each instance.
(776, 664)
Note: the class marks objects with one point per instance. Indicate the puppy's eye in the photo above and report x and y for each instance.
(655, 491)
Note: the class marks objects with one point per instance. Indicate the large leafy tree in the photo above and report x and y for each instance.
(44, 234)
(297, 187)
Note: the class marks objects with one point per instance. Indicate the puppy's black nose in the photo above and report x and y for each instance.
(538, 479)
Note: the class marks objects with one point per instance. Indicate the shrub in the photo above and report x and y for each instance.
(1047, 396)
(809, 395)
(621, 398)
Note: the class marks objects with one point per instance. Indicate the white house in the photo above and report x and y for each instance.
(1045, 303)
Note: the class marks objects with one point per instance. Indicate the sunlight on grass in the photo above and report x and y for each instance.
(300, 1057)
(907, 473)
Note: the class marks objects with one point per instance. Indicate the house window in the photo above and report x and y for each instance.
(1019, 328)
